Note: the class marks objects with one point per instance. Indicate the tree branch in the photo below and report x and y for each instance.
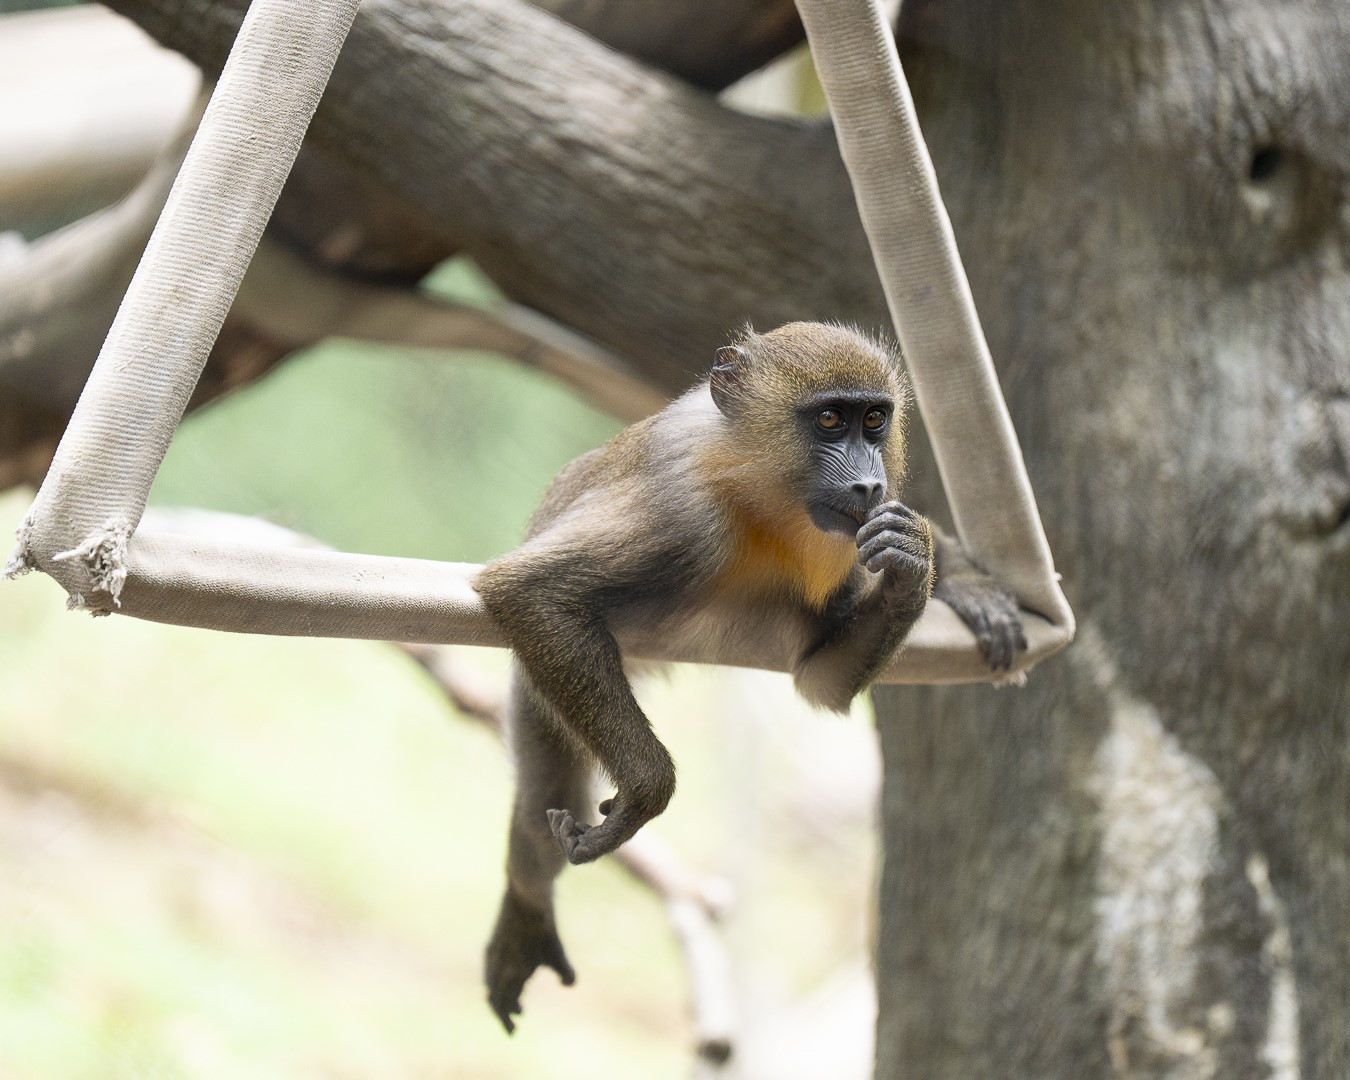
(58, 296)
(296, 304)
(611, 197)
(709, 43)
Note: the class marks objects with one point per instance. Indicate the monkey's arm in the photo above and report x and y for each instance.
(868, 620)
(982, 603)
(551, 597)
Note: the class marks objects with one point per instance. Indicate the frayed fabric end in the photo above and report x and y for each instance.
(103, 555)
(1013, 678)
(20, 561)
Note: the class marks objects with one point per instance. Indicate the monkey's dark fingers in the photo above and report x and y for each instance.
(892, 506)
(555, 958)
(504, 1010)
(1009, 638)
(992, 615)
(905, 543)
(882, 520)
(566, 829)
(504, 993)
(898, 563)
(984, 638)
(583, 843)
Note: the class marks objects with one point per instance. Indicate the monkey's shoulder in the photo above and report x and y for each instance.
(652, 463)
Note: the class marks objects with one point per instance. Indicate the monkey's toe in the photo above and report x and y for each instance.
(1001, 637)
(524, 939)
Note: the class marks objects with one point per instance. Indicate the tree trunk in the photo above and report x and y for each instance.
(1137, 867)
(1140, 865)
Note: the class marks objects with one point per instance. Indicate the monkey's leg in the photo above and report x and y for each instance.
(550, 602)
(550, 771)
(577, 666)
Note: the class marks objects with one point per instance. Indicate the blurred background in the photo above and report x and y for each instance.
(226, 856)
(515, 225)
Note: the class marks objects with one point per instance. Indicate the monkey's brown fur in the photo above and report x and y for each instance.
(734, 512)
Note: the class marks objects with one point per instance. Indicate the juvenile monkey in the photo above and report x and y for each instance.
(758, 505)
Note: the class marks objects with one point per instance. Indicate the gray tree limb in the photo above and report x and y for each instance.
(707, 43)
(617, 200)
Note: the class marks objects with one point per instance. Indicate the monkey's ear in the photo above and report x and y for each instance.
(727, 377)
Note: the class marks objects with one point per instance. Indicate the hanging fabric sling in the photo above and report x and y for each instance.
(82, 527)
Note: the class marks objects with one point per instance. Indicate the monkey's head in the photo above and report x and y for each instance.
(819, 410)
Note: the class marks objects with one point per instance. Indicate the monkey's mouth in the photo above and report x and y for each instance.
(829, 517)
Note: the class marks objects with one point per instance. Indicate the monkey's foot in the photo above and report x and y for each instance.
(524, 939)
(583, 843)
(991, 613)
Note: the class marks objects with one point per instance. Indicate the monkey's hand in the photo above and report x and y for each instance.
(983, 604)
(523, 940)
(583, 843)
(897, 543)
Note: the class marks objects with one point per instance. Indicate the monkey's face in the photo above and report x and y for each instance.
(846, 435)
(815, 415)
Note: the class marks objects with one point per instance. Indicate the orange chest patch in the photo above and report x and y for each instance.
(792, 557)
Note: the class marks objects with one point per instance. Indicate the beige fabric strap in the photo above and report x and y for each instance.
(96, 489)
(83, 527)
(955, 384)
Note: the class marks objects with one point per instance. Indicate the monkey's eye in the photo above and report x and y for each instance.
(875, 419)
(830, 420)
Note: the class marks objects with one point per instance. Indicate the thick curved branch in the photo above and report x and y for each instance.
(58, 296)
(345, 219)
(709, 43)
(615, 199)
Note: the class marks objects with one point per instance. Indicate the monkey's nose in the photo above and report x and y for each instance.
(868, 491)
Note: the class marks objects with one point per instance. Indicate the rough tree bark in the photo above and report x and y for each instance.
(1139, 866)
(1105, 874)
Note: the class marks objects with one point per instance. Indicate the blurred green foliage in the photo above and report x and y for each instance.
(32, 5)
(228, 856)
(281, 861)
(388, 451)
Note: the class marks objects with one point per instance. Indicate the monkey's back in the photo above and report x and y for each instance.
(623, 470)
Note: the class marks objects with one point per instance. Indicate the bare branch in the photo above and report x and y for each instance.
(93, 102)
(296, 304)
(58, 296)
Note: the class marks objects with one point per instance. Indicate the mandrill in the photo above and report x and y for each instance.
(760, 505)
